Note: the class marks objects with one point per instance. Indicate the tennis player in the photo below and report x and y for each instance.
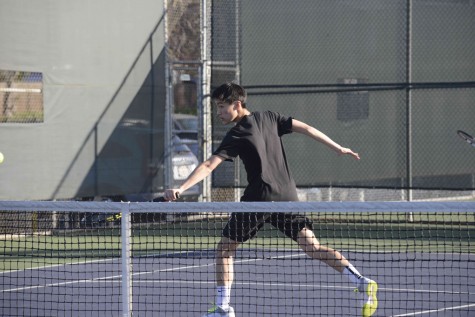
(256, 139)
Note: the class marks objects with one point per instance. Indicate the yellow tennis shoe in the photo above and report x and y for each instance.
(217, 311)
(368, 288)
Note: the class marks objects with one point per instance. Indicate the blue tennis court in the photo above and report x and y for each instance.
(283, 282)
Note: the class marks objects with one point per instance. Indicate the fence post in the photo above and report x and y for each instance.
(409, 105)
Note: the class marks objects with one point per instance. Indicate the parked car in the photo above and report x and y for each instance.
(186, 127)
(131, 165)
(184, 161)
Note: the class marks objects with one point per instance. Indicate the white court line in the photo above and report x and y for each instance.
(270, 258)
(101, 279)
(134, 274)
(58, 265)
(293, 285)
(59, 284)
(435, 310)
(386, 289)
(213, 264)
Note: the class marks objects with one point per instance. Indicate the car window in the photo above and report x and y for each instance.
(188, 124)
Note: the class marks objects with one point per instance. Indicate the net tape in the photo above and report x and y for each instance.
(226, 207)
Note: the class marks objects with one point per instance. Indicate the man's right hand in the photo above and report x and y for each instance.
(171, 194)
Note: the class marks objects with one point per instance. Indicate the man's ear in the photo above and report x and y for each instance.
(237, 105)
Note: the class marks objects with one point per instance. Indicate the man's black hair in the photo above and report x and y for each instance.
(230, 92)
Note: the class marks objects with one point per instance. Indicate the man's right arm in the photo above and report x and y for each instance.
(198, 174)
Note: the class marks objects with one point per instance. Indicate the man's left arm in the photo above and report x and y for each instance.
(303, 128)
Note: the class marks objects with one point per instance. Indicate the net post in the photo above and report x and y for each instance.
(126, 260)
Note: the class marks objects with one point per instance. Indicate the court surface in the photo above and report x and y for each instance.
(270, 283)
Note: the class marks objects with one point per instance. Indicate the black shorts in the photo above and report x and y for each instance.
(244, 226)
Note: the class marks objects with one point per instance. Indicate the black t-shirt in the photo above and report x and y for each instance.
(256, 139)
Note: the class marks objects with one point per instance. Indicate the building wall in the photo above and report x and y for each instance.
(102, 64)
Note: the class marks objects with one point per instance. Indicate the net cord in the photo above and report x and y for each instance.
(223, 207)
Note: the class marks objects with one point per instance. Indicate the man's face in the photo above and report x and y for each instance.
(226, 111)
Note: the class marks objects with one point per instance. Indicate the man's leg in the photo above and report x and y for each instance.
(226, 250)
(225, 253)
(310, 245)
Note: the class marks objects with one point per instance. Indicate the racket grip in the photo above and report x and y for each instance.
(162, 199)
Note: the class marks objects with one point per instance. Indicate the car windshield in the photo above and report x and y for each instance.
(188, 123)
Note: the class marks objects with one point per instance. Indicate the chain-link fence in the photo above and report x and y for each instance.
(393, 80)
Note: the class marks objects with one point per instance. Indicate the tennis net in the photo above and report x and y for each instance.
(158, 259)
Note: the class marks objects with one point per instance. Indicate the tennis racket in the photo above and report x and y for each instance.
(467, 137)
(119, 215)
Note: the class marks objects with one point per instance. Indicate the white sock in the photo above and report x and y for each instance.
(223, 296)
(353, 274)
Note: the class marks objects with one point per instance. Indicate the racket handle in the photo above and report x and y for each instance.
(119, 215)
(162, 199)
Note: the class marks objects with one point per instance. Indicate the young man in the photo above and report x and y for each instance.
(256, 139)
